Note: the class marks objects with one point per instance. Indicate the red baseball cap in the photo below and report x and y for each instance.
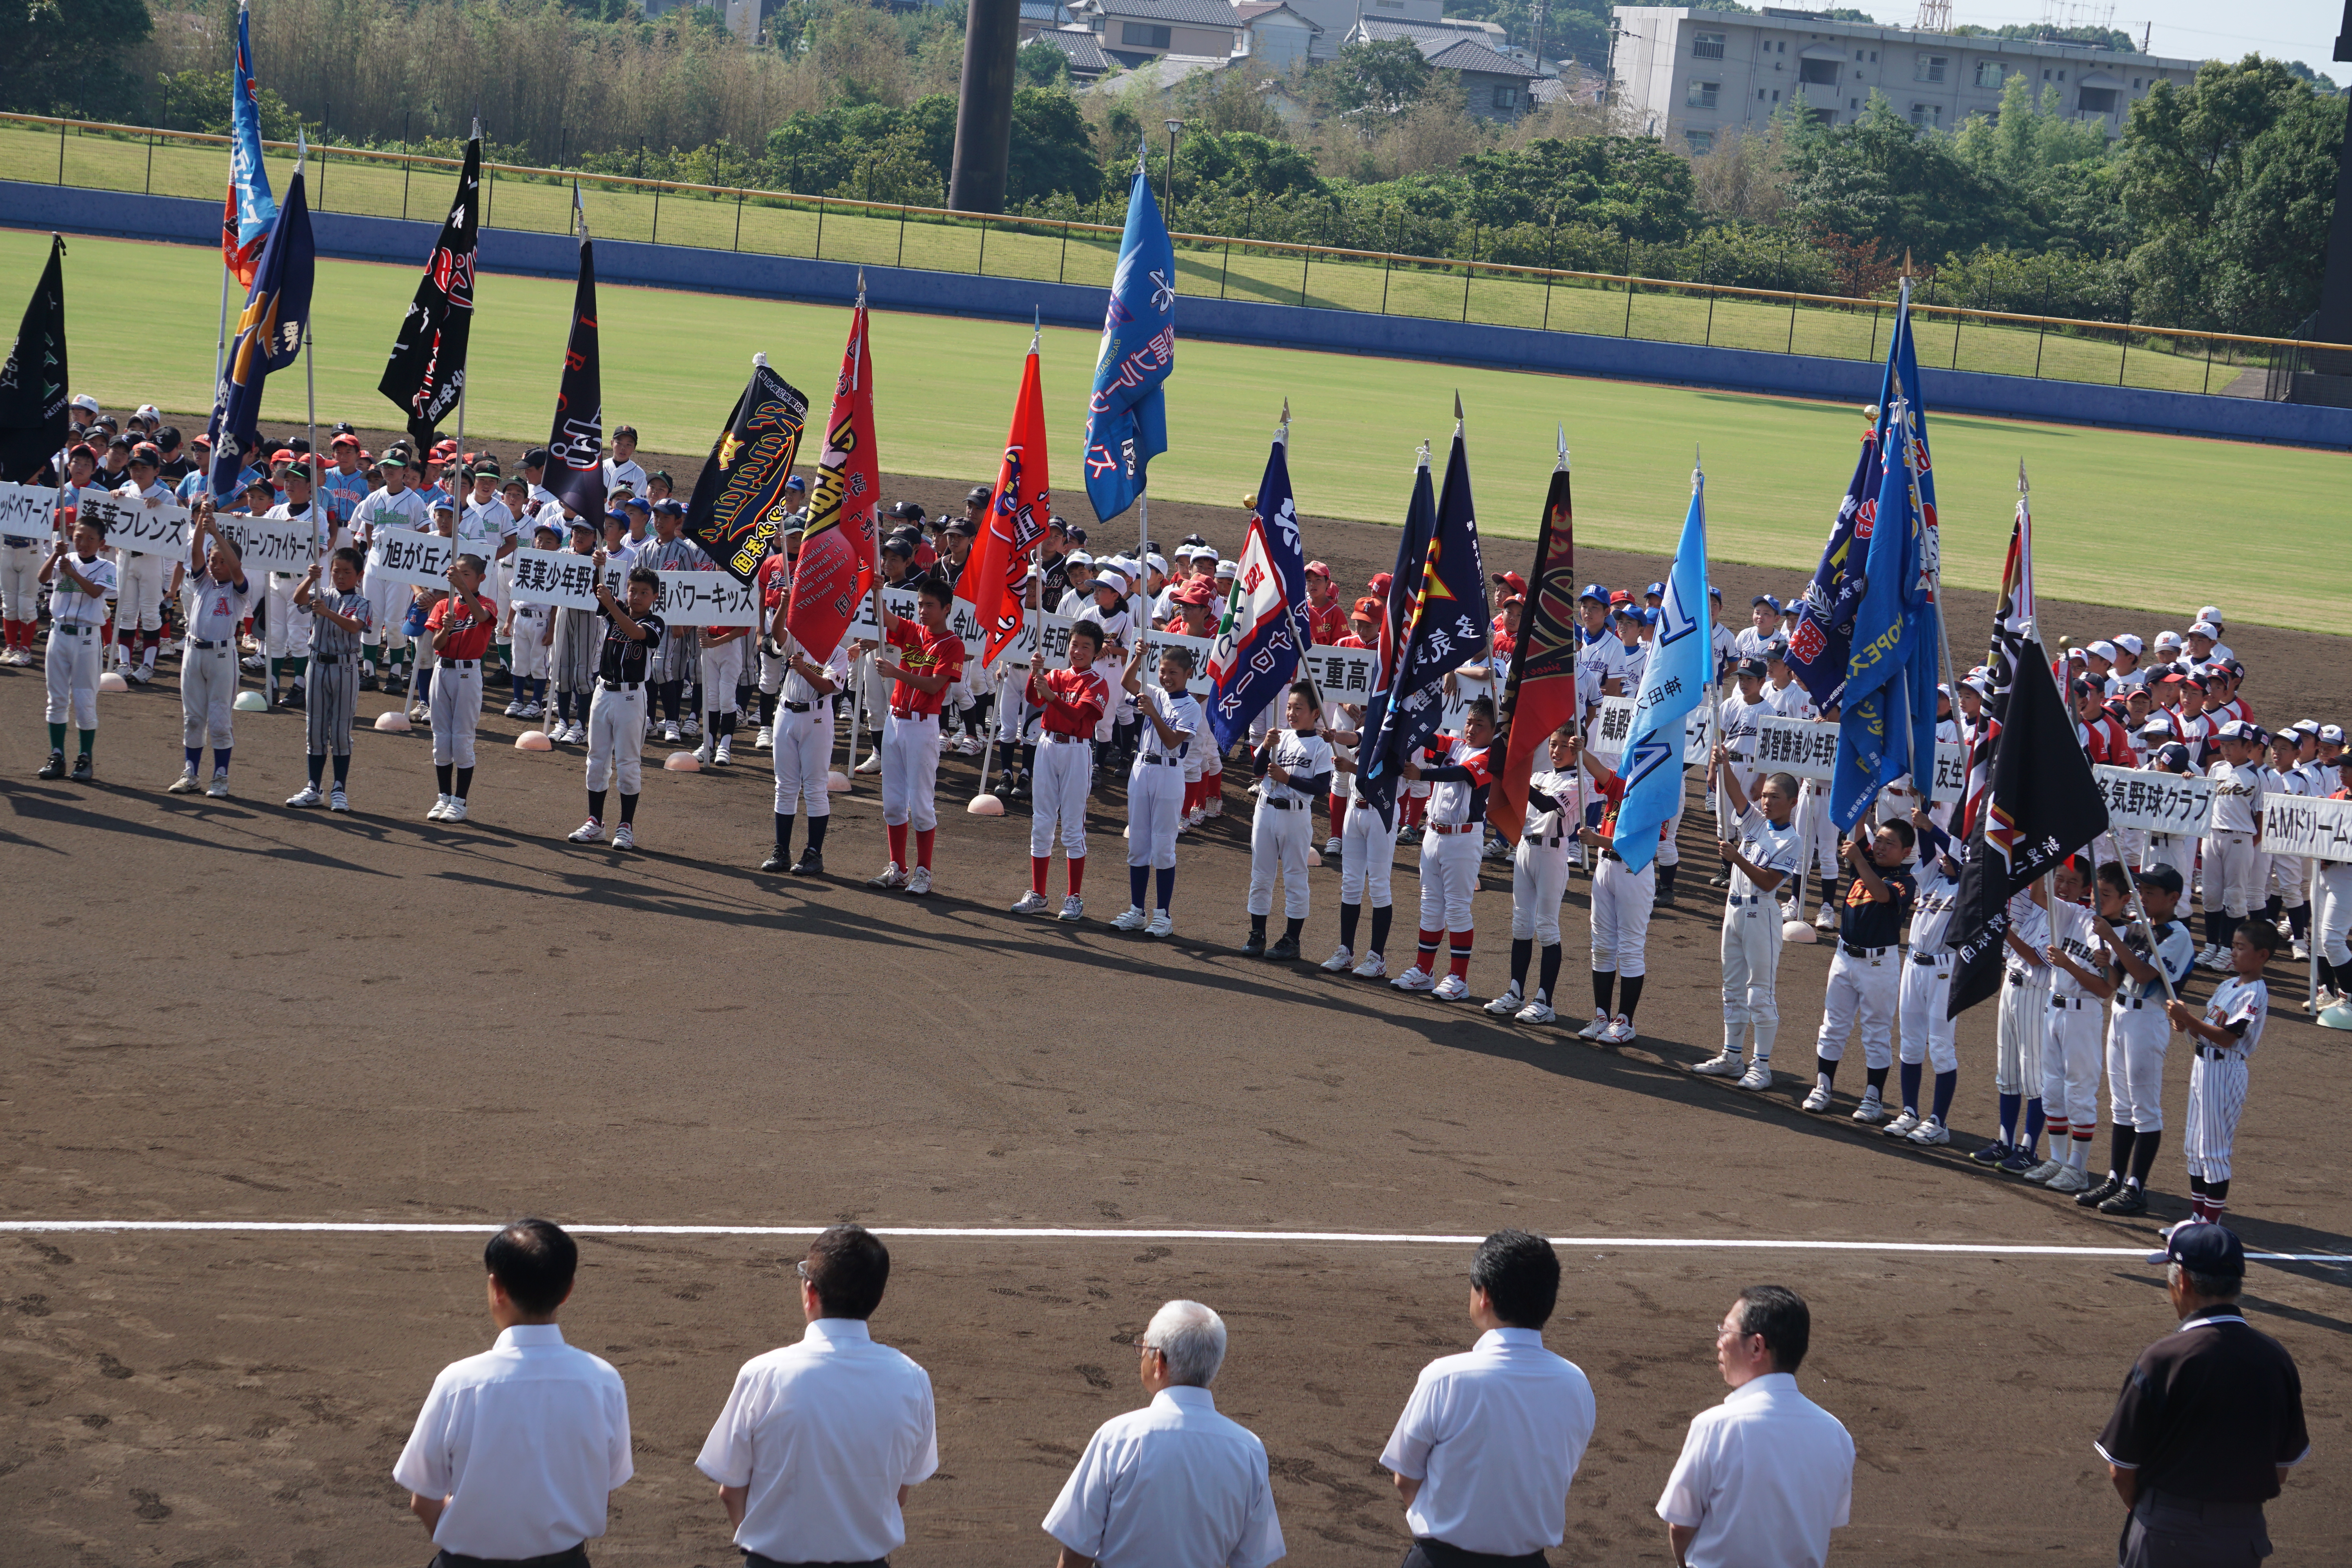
(344, 440)
(1367, 609)
(1380, 584)
(1513, 581)
(1317, 569)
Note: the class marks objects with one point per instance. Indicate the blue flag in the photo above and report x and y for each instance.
(1674, 682)
(1823, 637)
(248, 180)
(270, 333)
(1263, 630)
(1438, 602)
(1126, 417)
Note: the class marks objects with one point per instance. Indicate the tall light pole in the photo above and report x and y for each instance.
(1168, 195)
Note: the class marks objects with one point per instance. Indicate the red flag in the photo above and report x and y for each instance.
(240, 260)
(997, 567)
(838, 546)
(1542, 692)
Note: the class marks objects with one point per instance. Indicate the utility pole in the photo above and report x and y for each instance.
(2333, 322)
(983, 135)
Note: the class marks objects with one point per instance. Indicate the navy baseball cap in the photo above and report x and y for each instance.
(2164, 879)
(1657, 588)
(1765, 599)
(2172, 757)
(1593, 591)
(2204, 1248)
(1754, 667)
(669, 509)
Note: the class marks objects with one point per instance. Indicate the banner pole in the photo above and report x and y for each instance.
(220, 342)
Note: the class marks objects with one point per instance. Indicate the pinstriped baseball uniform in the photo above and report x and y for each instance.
(334, 687)
(2217, 1077)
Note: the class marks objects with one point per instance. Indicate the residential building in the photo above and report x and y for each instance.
(1337, 16)
(1276, 34)
(1134, 32)
(1689, 74)
(1037, 16)
(1087, 60)
(1494, 85)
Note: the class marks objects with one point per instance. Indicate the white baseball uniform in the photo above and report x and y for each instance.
(1925, 993)
(2233, 865)
(2137, 1030)
(141, 579)
(1621, 899)
(1367, 849)
(1539, 864)
(2069, 1051)
(1155, 780)
(2024, 1013)
(1866, 980)
(1450, 834)
(1074, 701)
(208, 672)
(2217, 1077)
(1284, 821)
(1751, 934)
(803, 738)
(76, 621)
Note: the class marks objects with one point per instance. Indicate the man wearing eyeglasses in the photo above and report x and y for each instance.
(820, 1441)
(1173, 1485)
(1490, 1440)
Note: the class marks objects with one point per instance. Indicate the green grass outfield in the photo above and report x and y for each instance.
(2123, 518)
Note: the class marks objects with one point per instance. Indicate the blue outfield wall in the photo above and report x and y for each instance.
(176, 219)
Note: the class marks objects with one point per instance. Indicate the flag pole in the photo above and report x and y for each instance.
(310, 389)
(1036, 551)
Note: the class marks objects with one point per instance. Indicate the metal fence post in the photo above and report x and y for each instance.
(1469, 268)
(1304, 258)
(1224, 267)
(979, 265)
(2208, 367)
(1792, 347)
(1388, 263)
(2123, 359)
(1061, 272)
(489, 189)
(2041, 331)
(739, 219)
(151, 162)
(902, 235)
(62, 152)
(1629, 307)
(1708, 341)
(656, 239)
(818, 254)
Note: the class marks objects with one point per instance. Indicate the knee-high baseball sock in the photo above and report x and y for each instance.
(1163, 880)
(1427, 962)
(58, 739)
(1548, 974)
(924, 838)
(1339, 814)
(2034, 1115)
(2011, 1104)
(148, 642)
(2079, 1156)
(441, 772)
(897, 832)
(1075, 866)
(195, 755)
(628, 807)
(1824, 1070)
(1257, 928)
(2120, 1137)
(1038, 866)
(1604, 989)
(1382, 915)
(2207, 1200)
(342, 768)
(1139, 885)
(2142, 1159)
(88, 739)
(1350, 915)
(1291, 927)
(317, 762)
(2273, 907)
(783, 835)
(1873, 1083)
(1947, 1085)
(220, 756)
(2298, 920)
(1910, 1085)
(1629, 995)
(1458, 963)
(596, 804)
(768, 701)
(1522, 952)
(465, 783)
(2059, 1135)
(816, 830)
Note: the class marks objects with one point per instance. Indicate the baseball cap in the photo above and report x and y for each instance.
(1620, 597)
(1593, 591)
(1765, 599)
(543, 526)
(639, 504)
(1200, 552)
(1657, 590)
(624, 432)
(2157, 727)
(962, 527)
(2211, 613)
(2130, 644)
(1715, 593)
(2168, 639)
(1158, 563)
(1626, 610)
(671, 508)
(149, 412)
(2172, 757)
(202, 441)
(2104, 649)
(977, 493)
(582, 522)
(2238, 729)
(1367, 609)
(2204, 629)
(2304, 727)
(796, 483)
(392, 459)
(1508, 600)
(1777, 648)
(911, 511)
(449, 507)
(2164, 879)
(535, 459)
(1511, 580)
(2206, 1249)
(148, 452)
(1317, 569)
(2189, 678)
(85, 402)
(344, 441)
(898, 546)
(1754, 667)
(1078, 558)
(1225, 569)
(1111, 578)
(2331, 734)
(487, 467)
(1192, 592)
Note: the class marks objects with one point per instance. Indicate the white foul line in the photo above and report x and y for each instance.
(1047, 1232)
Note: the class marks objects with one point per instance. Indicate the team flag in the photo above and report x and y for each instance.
(840, 541)
(1127, 417)
(1264, 631)
(2041, 805)
(426, 371)
(34, 423)
(1890, 686)
(576, 443)
(739, 503)
(1681, 668)
(997, 570)
(1541, 695)
(250, 211)
(2012, 622)
(270, 333)
(1441, 623)
(1823, 641)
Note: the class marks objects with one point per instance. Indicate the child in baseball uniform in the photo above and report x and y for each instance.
(1295, 766)
(1765, 854)
(802, 737)
(139, 577)
(616, 714)
(2178, 850)
(1866, 971)
(459, 629)
(340, 618)
(1455, 768)
(1540, 879)
(2335, 886)
(720, 666)
(2018, 1034)
(1734, 757)
(2226, 1036)
(79, 579)
(1368, 839)
(2080, 985)
(2286, 878)
(285, 627)
(208, 667)
(925, 657)
(1926, 1034)
(575, 642)
(2138, 1031)
(1172, 724)
(530, 630)
(1070, 703)
(1622, 903)
(2234, 838)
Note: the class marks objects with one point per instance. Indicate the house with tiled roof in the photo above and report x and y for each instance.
(1087, 61)
(1134, 32)
(1494, 85)
(1276, 34)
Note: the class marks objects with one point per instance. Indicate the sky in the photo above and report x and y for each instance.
(2186, 29)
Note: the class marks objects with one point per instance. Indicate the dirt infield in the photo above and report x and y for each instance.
(228, 1010)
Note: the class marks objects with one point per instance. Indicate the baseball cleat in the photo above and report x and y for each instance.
(1503, 1006)
(1902, 1125)
(514, 709)
(1930, 1133)
(1374, 966)
(1758, 1076)
(589, 831)
(2091, 1197)
(55, 768)
(2130, 1201)
(1032, 903)
(1133, 920)
(1817, 1099)
(625, 837)
(2020, 1162)
(1620, 1031)
(1284, 950)
(1162, 924)
(1871, 1112)
(1452, 988)
(671, 734)
(919, 882)
(775, 861)
(1073, 910)
(1416, 979)
(308, 796)
(811, 863)
(2068, 1179)
(1331, 844)
(440, 807)
(1254, 946)
(217, 789)
(137, 674)
(2043, 1171)
(1991, 1155)
(726, 755)
(1339, 961)
(1536, 1012)
(1825, 921)
(1724, 1064)
(765, 740)
(893, 876)
(456, 811)
(871, 765)
(184, 785)
(339, 801)
(706, 753)
(1595, 1029)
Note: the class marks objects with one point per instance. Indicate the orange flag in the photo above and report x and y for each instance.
(997, 567)
(838, 545)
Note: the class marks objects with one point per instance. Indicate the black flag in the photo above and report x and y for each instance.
(2041, 807)
(428, 368)
(33, 423)
(740, 502)
(575, 446)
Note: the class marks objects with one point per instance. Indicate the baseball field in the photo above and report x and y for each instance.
(350, 1045)
(2124, 519)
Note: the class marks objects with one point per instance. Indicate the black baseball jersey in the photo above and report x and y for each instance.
(623, 656)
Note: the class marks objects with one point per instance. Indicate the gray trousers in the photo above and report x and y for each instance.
(2168, 1531)
(332, 704)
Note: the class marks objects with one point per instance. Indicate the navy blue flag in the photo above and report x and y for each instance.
(1264, 629)
(270, 333)
(1823, 637)
(576, 443)
(1126, 414)
(1442, 626)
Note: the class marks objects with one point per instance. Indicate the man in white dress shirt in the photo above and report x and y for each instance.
(820, 1441)
(1489, 1442)
(1765, 1475)
(516, 1448)
(1173, 1485)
